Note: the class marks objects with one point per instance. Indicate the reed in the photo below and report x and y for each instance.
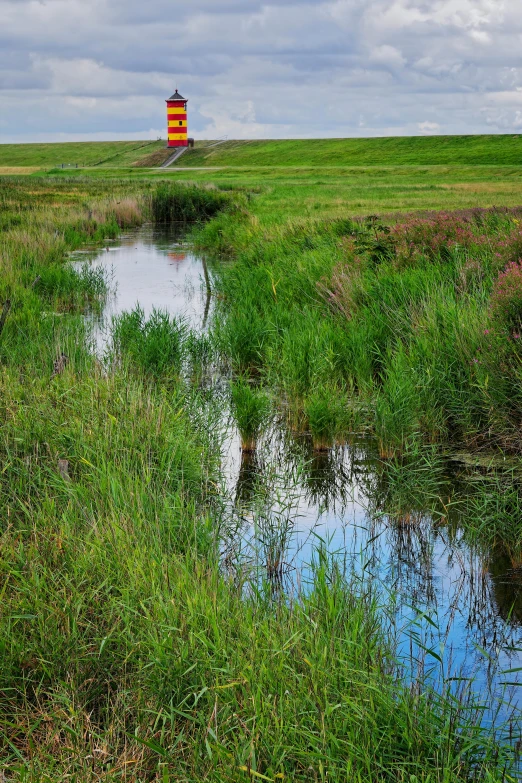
(492, 503)
(184, 203)
(250, 408)
(155, 345)
(324, 413)
(405, 314)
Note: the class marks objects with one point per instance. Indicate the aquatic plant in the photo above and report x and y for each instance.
(175, 202)
(69, 288)
(493, 507)
(324, 414)
(250, 408)
(405, 336)
(153, 344)
(128, 212)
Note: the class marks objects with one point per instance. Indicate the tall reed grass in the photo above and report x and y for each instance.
(404, 316)
(250, 408)
(174, 202)
(155, 344)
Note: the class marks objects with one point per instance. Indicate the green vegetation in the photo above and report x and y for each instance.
(413, 325)
(129, 649)
(313, 179)
(155, 345)
(171, 203)
(391, 151)
(250, 408)
(494, 150)
(83, 153)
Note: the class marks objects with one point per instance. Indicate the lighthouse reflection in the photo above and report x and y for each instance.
(177, 257)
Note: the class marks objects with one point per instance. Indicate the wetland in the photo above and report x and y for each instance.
(260, 491)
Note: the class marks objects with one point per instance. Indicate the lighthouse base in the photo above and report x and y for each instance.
(183, 143)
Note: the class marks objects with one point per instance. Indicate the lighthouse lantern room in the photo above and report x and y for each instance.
(177, 121)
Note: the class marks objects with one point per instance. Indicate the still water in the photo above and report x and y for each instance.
(454, 611)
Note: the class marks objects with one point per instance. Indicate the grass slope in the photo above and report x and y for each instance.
(85, 153)
(392, 151)
(308, 153)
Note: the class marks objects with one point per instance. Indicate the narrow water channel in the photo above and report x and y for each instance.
(455, 612)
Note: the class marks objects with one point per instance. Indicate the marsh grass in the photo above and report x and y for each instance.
(324, 413)
(171, 203)
(69, 288)
(493, 503)
(251, 410)
(155, 345)
(321, 309)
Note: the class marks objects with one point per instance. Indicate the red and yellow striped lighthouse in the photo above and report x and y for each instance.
(177, 121)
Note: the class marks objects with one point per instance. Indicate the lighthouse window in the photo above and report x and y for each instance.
(180, 122)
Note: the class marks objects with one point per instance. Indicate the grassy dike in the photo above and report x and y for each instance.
(125, 654)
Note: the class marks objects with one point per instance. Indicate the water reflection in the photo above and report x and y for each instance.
(153, 268)
(247, 480)
(468, 602)
(507, 588)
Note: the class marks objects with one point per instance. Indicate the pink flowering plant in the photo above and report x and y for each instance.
(506, 299)
(489, 237)
(435, 237)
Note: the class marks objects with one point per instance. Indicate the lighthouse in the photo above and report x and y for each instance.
(177, 121)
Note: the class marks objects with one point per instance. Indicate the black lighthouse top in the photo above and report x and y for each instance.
(177, 97)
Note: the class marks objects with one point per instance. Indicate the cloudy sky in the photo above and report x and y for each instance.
(101, 69)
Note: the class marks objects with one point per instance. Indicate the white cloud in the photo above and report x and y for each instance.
(388, 56)
(428, 127)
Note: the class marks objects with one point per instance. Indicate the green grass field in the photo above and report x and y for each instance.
(309, 179)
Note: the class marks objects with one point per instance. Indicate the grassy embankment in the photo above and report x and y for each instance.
(17, 158)
(316, 178)
(125, 653)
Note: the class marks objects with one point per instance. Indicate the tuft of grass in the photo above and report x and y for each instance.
(185, 203)
(155, 345)
(250, 408)
(493, 507)
(128, 212)
(325, 415)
